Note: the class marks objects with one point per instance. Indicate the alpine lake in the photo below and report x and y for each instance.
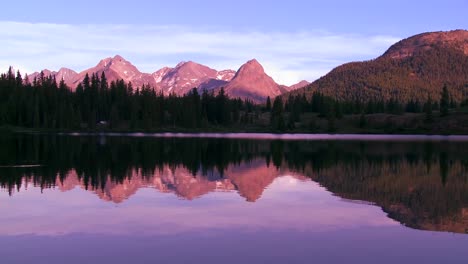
(233, 198)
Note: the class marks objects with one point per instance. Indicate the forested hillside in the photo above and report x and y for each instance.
(412, 69)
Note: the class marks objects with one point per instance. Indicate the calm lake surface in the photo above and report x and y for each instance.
(258, 199)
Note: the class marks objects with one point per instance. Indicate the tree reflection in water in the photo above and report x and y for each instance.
(423, 185)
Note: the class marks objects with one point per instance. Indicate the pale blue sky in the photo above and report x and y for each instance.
(293, 39)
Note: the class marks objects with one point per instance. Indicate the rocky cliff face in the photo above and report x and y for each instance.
(188, 75)
(117, 68)
(253, 83)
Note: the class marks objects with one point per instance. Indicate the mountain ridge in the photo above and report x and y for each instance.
(414, 68)
(252, 82)
(180, 79)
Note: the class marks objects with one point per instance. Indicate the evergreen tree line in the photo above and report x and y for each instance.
(323, 105)
(328, 107)
(117, 157)
(379, 172)
(44, 103)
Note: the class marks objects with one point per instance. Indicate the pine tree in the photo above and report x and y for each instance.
(268, 104)
(19, 80)
(291, 121)
(444, 102)
(276, 117)
(331, 117)
(37, 119)
(222, 108)
(338, 110)
(77, 120)
(114, 117)
(429, 118)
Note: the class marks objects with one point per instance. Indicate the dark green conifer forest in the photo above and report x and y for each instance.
(97, 104)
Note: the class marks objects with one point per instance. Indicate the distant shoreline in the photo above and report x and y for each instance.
(311, 124)
(254, 135)
(286, 136)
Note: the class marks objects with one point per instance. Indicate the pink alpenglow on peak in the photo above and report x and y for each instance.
(249, 82)
(186, 76)
(65, 74)
(117, 68)
(298, 85)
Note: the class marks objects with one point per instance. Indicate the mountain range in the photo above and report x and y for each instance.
(412, 69)
(249, 82)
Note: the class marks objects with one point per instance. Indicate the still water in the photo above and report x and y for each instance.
(163, 199)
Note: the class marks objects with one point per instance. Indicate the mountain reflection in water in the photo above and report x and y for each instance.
(423, 185)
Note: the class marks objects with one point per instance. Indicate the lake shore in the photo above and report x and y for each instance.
(258, 136)
(374, 124)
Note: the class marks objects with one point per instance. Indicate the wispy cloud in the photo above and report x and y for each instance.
(287, 56)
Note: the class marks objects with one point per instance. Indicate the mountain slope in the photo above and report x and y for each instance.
(413, 68)
(65, 74)
(117, 68)
(252, 82)
(178, 80)
(298, 85)
(188, 75)
(456, 39)
(159, 74)
(249, 82)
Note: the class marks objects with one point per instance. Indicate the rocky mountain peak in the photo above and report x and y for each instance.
(253, 83)
(250, 81)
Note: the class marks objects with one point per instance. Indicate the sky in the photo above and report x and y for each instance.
(293, 40)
